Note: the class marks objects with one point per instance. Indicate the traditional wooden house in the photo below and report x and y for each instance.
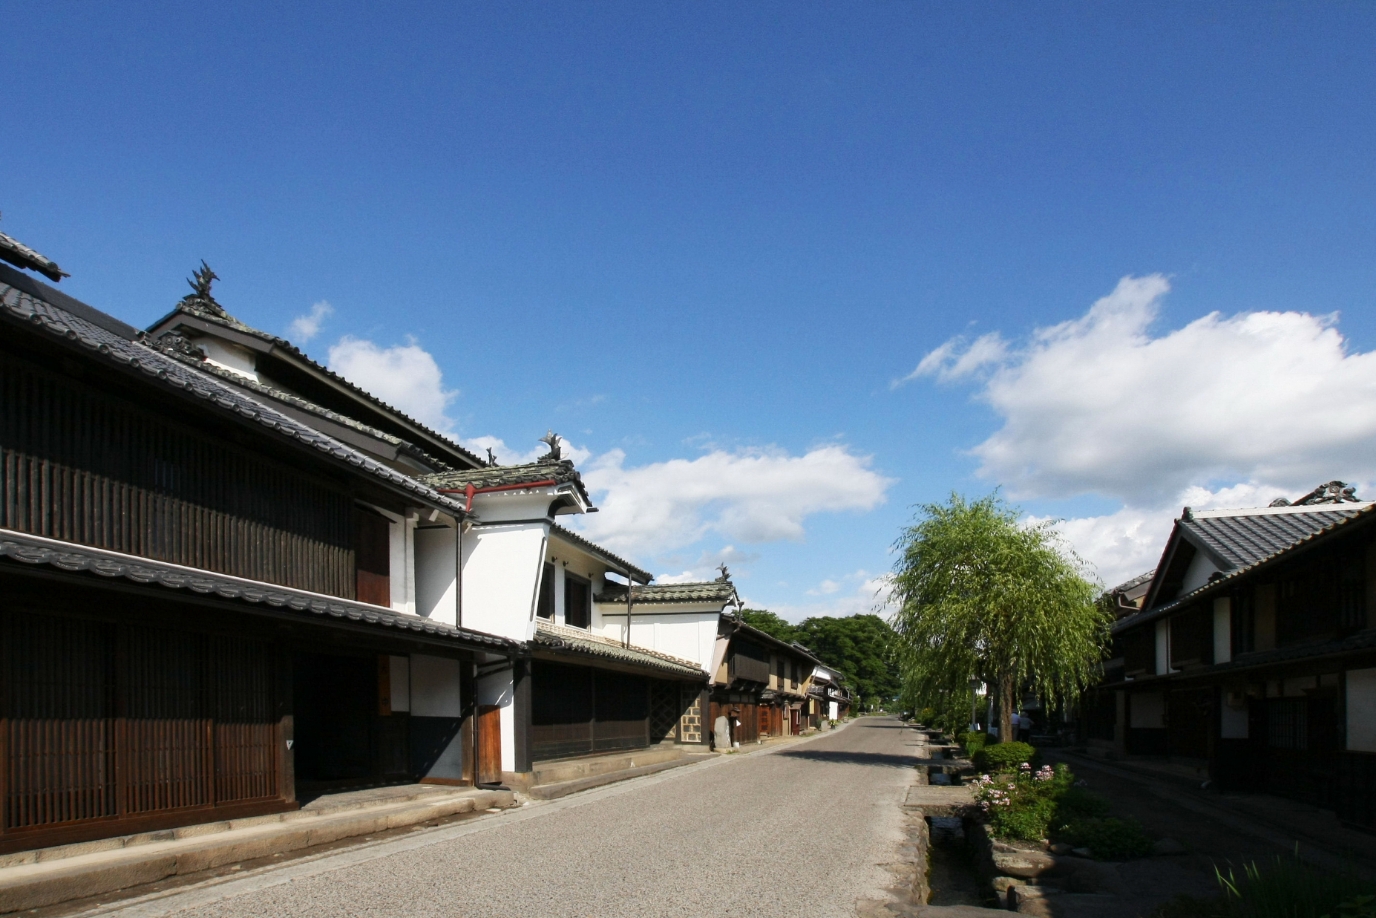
(830, 696)
(1254, 652)
(588, 687)
(207, 601)
(759, 683)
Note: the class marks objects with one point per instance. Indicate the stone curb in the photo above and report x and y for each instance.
(43, 883)
(564, 788)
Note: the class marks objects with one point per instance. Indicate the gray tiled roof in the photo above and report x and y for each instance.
(27, 306)
(1134, 582)
(1332, 519)
(621, 565)
(35, 550)
(17, 253)
(496, 476)
(713, 591)
(216, 314)
(1243, 540)
(556, 637)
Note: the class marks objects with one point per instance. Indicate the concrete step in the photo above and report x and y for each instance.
(563, 788)
(48, 880)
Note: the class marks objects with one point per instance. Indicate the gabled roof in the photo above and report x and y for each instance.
(207, 310)
(34, 551)
(582, 643)
(1337, 519)
(740, 627)
(559, 471)
(22, 299)
(20, 255)
(711, 591)
(1234, 539)
(617, 563)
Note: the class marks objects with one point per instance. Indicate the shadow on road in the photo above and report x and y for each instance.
(877, 759)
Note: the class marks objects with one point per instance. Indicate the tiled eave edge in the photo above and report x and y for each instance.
(38, 551)
(1229, 579)
(552, 637)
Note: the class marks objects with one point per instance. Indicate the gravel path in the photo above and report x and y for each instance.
(798, 830)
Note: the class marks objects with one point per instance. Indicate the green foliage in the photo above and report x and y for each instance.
(1004, 756)
(1290, 888)
(1021, 804)
(1077, 804)
(770, 624)
(982, 595)
(860, 647)
(973, 741)
(1107, 838)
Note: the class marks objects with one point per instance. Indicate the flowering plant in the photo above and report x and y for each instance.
(1021, 804)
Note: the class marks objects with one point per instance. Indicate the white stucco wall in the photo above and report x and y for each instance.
(436, 594)
(400, 678)
(1148, 711)
(501, 577)
(435, 686)
(1163, 646)
(228, 356)
(687, 635)
(1197, 574)
(1223, 630)
(498, 689)
(1361, 710)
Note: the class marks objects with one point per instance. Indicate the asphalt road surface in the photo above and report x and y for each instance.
(797, 830)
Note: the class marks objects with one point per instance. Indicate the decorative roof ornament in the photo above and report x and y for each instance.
(1334, 492)
(555, 454)
(200, 298)
(491, 457)
(725, 573)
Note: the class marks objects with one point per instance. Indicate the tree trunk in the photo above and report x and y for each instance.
(1007, 732)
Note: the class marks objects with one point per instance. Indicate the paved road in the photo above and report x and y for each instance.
(797, 830)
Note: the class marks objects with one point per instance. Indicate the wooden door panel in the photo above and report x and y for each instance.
(489, 744)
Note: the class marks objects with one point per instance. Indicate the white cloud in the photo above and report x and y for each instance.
(750, 496)
(685, 577)
(1101, 404)
(506, 455)
(827, 587)
(948, 362)
(1129, 541)
(404, 376)
(869, 596)
(304, 328)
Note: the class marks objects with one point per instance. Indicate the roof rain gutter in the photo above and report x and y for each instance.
(469, 490)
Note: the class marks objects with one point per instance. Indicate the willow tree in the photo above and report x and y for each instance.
(982, 595)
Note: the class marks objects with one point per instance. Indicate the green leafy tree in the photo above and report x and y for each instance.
(861, 647)
(981, 595)
(770, 624)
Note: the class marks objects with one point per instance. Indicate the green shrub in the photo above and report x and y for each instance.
(1291, 888)
(1107, 838)
(972, 741)
(1004, 757)
(1021, 803)
(926, 717)
(1076, 804)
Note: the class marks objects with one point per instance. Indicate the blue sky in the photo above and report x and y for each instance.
(716, 238)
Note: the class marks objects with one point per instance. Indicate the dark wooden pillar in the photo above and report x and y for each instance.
(286, 729)
(521, 713)
(468, 692)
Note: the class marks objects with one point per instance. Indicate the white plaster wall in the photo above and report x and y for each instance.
(1148, 711)
(435, 686)
(436, 593)
(1223, 630)
(1361, 710)
(1232, 722)
(501, 578)
(689, 636)
(558, 593)
(1163, 647)
(400, 674)
(834, 710)
(498, 689)
(229, 356)
(1197, 574)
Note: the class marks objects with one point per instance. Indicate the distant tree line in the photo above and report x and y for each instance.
(860, 647)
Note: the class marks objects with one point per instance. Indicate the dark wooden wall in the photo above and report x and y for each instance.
(82, 463)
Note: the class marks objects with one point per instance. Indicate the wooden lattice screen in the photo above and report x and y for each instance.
(108, 722)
